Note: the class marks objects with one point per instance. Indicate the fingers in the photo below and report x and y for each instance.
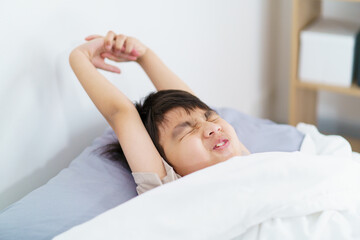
(134, 53)
(108, 67)
(124, 44)
(91, 37)
(119, 44)
(109, 40)
(120, 47)
(129, 47)
(110, 56)
(119, 57)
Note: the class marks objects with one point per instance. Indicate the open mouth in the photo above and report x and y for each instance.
(222, 144)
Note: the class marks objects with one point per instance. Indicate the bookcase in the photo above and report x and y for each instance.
(303, 95)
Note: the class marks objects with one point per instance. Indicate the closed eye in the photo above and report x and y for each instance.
(186, 128)
(187, 133)
(192, 130)
(213, 119)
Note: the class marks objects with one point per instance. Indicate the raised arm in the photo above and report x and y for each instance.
(116, 108)
(160, 75)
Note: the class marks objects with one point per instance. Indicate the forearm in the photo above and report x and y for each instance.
(107, 98)
(160, 75)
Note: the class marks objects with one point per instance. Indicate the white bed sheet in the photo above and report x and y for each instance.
(311, 194)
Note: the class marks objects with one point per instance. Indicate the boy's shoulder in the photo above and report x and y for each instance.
(146, 181)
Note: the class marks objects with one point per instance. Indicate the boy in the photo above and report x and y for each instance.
(171, 125)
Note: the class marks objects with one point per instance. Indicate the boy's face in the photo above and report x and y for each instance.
(197, 140)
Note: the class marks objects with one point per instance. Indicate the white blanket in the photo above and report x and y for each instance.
(312, 194)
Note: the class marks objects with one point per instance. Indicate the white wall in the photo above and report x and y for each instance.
(220, 48)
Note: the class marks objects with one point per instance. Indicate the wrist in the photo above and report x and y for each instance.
(146, 57)
(79, 52)
(78, 55)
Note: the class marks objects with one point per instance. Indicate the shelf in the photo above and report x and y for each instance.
(354, 90)
(304, 95)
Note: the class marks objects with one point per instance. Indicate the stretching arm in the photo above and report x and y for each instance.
(107, 98)
(160, 75)
(116, 108)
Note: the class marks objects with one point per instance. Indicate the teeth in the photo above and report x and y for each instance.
(220, 144)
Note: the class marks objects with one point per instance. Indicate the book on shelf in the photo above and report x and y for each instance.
(328, 53)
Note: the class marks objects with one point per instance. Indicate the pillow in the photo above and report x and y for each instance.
(88, 187)
(262, 135)
(93, 184)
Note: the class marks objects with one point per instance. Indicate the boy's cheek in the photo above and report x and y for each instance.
(196, 152)
(193, 143)
(231, 131)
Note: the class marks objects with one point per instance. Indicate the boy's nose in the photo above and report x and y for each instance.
(211, 129)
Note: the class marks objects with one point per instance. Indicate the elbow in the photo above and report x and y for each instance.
(123, 111)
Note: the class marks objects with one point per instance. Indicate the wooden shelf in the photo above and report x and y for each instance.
(354, 90)
(304, 95)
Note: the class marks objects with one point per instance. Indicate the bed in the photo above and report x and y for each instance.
(95, 198)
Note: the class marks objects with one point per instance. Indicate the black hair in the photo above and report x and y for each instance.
(152, 112)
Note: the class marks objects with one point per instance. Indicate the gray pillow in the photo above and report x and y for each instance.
(262, 135)
(88, 187)
(93, 184)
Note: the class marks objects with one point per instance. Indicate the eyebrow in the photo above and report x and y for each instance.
(209, 113)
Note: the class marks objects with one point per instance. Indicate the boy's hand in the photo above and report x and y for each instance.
(121, 48)
(93, 50)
